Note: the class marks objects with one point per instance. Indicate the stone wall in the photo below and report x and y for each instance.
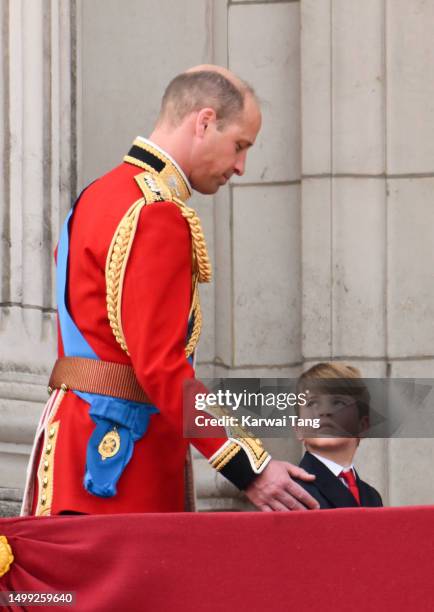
(38, 159)
(322, 250)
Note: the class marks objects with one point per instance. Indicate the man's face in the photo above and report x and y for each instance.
(219, 153)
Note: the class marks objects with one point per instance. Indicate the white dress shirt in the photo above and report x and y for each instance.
(335, 467)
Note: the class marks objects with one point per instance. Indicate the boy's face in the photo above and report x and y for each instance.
(340, 423)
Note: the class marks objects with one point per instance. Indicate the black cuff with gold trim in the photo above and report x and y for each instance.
(240, 460)
(239, 471)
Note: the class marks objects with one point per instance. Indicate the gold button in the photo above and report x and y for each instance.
(258, 442)
(45, 482)
(52, 432)
(48, 448)
(64, 387)
(43, 499)
(46, 465)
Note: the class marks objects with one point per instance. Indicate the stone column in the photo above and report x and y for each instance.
(410, 219)
(38, 178)
(344, 223)
(257, 217)
(368, 162)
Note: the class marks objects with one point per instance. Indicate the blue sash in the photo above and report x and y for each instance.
(116, 419)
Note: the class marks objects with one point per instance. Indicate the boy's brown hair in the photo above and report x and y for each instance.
(336, 378)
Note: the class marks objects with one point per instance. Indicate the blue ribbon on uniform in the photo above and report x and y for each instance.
(129, 419)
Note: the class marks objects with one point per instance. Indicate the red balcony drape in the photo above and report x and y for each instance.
(358, 559)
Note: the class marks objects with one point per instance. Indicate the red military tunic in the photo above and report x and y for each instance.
(156, 300)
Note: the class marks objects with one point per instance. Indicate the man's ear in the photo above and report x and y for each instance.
(205, 117)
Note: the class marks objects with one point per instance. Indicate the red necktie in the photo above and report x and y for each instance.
(352, 484)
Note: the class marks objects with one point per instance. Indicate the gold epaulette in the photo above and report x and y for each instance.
(153, 189)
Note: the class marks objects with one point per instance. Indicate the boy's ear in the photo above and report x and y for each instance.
(364, 426)
(299, 434)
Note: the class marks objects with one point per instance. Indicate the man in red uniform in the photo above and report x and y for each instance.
(130, 258)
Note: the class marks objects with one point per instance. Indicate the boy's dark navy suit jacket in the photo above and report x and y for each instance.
(330, 492)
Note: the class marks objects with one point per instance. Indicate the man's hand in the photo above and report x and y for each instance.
(274, 489)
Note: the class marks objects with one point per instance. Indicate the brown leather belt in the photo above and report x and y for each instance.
(95, 376)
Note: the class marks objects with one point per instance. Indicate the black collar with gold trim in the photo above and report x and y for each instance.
(144, 154)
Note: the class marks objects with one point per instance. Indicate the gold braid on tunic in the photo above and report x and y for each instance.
(154, 189)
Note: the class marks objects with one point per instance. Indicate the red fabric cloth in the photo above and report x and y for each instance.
(346, 559)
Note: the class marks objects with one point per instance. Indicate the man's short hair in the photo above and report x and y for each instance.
(336, 378)
(191, 91)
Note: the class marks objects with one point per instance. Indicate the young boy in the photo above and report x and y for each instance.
(337, 396)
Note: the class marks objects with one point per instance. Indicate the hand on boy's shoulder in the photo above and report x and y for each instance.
(275, 490)
(312, 489)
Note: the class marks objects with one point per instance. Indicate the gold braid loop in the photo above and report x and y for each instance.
(116, 263)
(117, 260)
(198, 242)
(197, 324)
(202, 274)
